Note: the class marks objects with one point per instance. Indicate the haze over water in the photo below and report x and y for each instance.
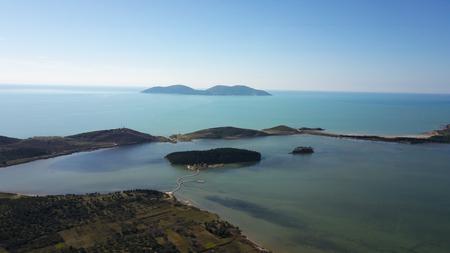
(64, 111)
(349, 196)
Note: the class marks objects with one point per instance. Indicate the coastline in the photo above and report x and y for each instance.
(45, 157)
(189, 202)
(204, 230)
(351, 136)
(228, 133)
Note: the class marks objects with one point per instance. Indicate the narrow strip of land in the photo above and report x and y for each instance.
(411, 139)
(180, 181)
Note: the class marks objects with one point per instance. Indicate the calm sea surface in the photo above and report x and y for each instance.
(350, 196)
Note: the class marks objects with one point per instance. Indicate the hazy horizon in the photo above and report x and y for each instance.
(130, 87)
(351, 46)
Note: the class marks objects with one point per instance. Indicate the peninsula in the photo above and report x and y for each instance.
(218, 90)
(213, 156)
(228, 132)
(15, 151)
(128, 221)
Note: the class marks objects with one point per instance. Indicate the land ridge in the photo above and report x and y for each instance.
(228, 132)
(15, 151)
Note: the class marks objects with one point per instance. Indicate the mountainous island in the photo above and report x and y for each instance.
(15, 151)
(213, 156)
(128, 221)
(218, 90)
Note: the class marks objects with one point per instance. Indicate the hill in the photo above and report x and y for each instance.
(281, 130)
(25, 150)
(236, 90)
(174, 89)
(220, 133)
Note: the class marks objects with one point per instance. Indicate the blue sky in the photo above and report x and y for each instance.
(340, 45)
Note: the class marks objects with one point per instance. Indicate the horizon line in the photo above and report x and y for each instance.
(139, 86)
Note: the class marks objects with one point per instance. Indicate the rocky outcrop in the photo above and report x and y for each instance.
(302, 150)
(442, 135)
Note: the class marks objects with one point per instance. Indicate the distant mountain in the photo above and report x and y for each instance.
(236, 90)
(218, 90)
(174, 89)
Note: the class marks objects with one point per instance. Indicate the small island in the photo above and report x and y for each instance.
(302, 150)
(128, 221)
(213, 157)
(218, 90)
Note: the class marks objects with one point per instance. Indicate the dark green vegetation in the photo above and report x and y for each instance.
(220, 133)
(121, 136)
(218, 90)
(234, 133)
(214, 156)
(7, 140)
(130, 221)
(15, 151)
(302, 150)
(281, 130)
(311, 129)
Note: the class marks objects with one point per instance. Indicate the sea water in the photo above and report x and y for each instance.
(349, 196)
(33, 112)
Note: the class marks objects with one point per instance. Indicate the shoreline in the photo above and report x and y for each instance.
(189, 202)
(167, 197)
(441, 136)
(404, 139)
(32, 159)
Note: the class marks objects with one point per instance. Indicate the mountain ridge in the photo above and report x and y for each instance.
(216, 90)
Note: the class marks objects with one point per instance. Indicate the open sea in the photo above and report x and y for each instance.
(349, 196)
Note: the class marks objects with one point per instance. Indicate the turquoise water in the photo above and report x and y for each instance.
(349, 196)
(60, 112)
